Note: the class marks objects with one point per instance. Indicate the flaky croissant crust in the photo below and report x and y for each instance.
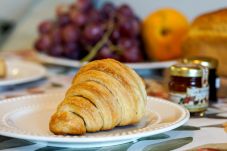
(104, 94)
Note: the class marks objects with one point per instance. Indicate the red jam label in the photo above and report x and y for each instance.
(195, 99)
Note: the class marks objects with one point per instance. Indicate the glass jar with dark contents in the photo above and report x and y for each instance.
(213, 79)
(187, 88)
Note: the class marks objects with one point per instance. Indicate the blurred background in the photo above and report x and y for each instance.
(23, 25)
(27, 14)
(191, 8)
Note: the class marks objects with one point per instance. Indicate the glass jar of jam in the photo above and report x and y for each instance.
(187, 88)
(213, 80)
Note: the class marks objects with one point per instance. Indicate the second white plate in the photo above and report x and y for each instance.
(28, 118)
(19, 72)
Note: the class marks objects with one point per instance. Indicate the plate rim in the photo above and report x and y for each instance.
(42, 73)
(85, 140)
(76, 64)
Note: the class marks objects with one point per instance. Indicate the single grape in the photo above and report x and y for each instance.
(128, 27)
(131, 51)
(38, 45)
(72, 50)
(136, 26)
(108, 9)
(94, 16)
(78, 18)
(43, 43)
(84, 5)
(132, 54)
(63, 19)
(45, 27)
(125, 10)
(56, 51)
(70, 33)
(93, 33)
(126, 43)
(106, 52)
(56, 36)
(115, 36)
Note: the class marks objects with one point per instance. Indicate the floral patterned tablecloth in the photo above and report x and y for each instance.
(196, 134)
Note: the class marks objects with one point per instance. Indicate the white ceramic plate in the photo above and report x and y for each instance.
(76, 63)
(28, 117)
(19, 72)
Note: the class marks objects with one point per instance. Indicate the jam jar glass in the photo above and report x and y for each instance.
(187, 88)
(213, 80)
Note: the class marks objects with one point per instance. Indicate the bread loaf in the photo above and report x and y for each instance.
(2, 68)
(208, 37)
(104, 94)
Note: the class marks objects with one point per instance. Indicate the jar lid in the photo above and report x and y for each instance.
(186, 70)
(208, 62)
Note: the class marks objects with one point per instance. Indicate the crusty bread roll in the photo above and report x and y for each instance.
(208, 37)
(104, 94)
(2, 68)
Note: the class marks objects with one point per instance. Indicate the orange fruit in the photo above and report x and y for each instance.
(163, 33)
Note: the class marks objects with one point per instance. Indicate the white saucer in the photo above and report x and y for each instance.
(28, 117)
(19, 72)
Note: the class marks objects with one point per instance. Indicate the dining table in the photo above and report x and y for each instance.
(208, 133)
(198, 133)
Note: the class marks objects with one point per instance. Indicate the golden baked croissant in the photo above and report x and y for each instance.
(104, 94)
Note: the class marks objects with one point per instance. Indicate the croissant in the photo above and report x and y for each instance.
(104, 94)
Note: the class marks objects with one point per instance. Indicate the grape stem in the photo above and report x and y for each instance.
(99, 45)
(115, 48)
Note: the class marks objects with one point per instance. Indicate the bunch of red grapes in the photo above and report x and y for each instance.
(83, 32)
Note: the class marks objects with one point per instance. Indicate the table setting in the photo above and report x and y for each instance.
(86, 75)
